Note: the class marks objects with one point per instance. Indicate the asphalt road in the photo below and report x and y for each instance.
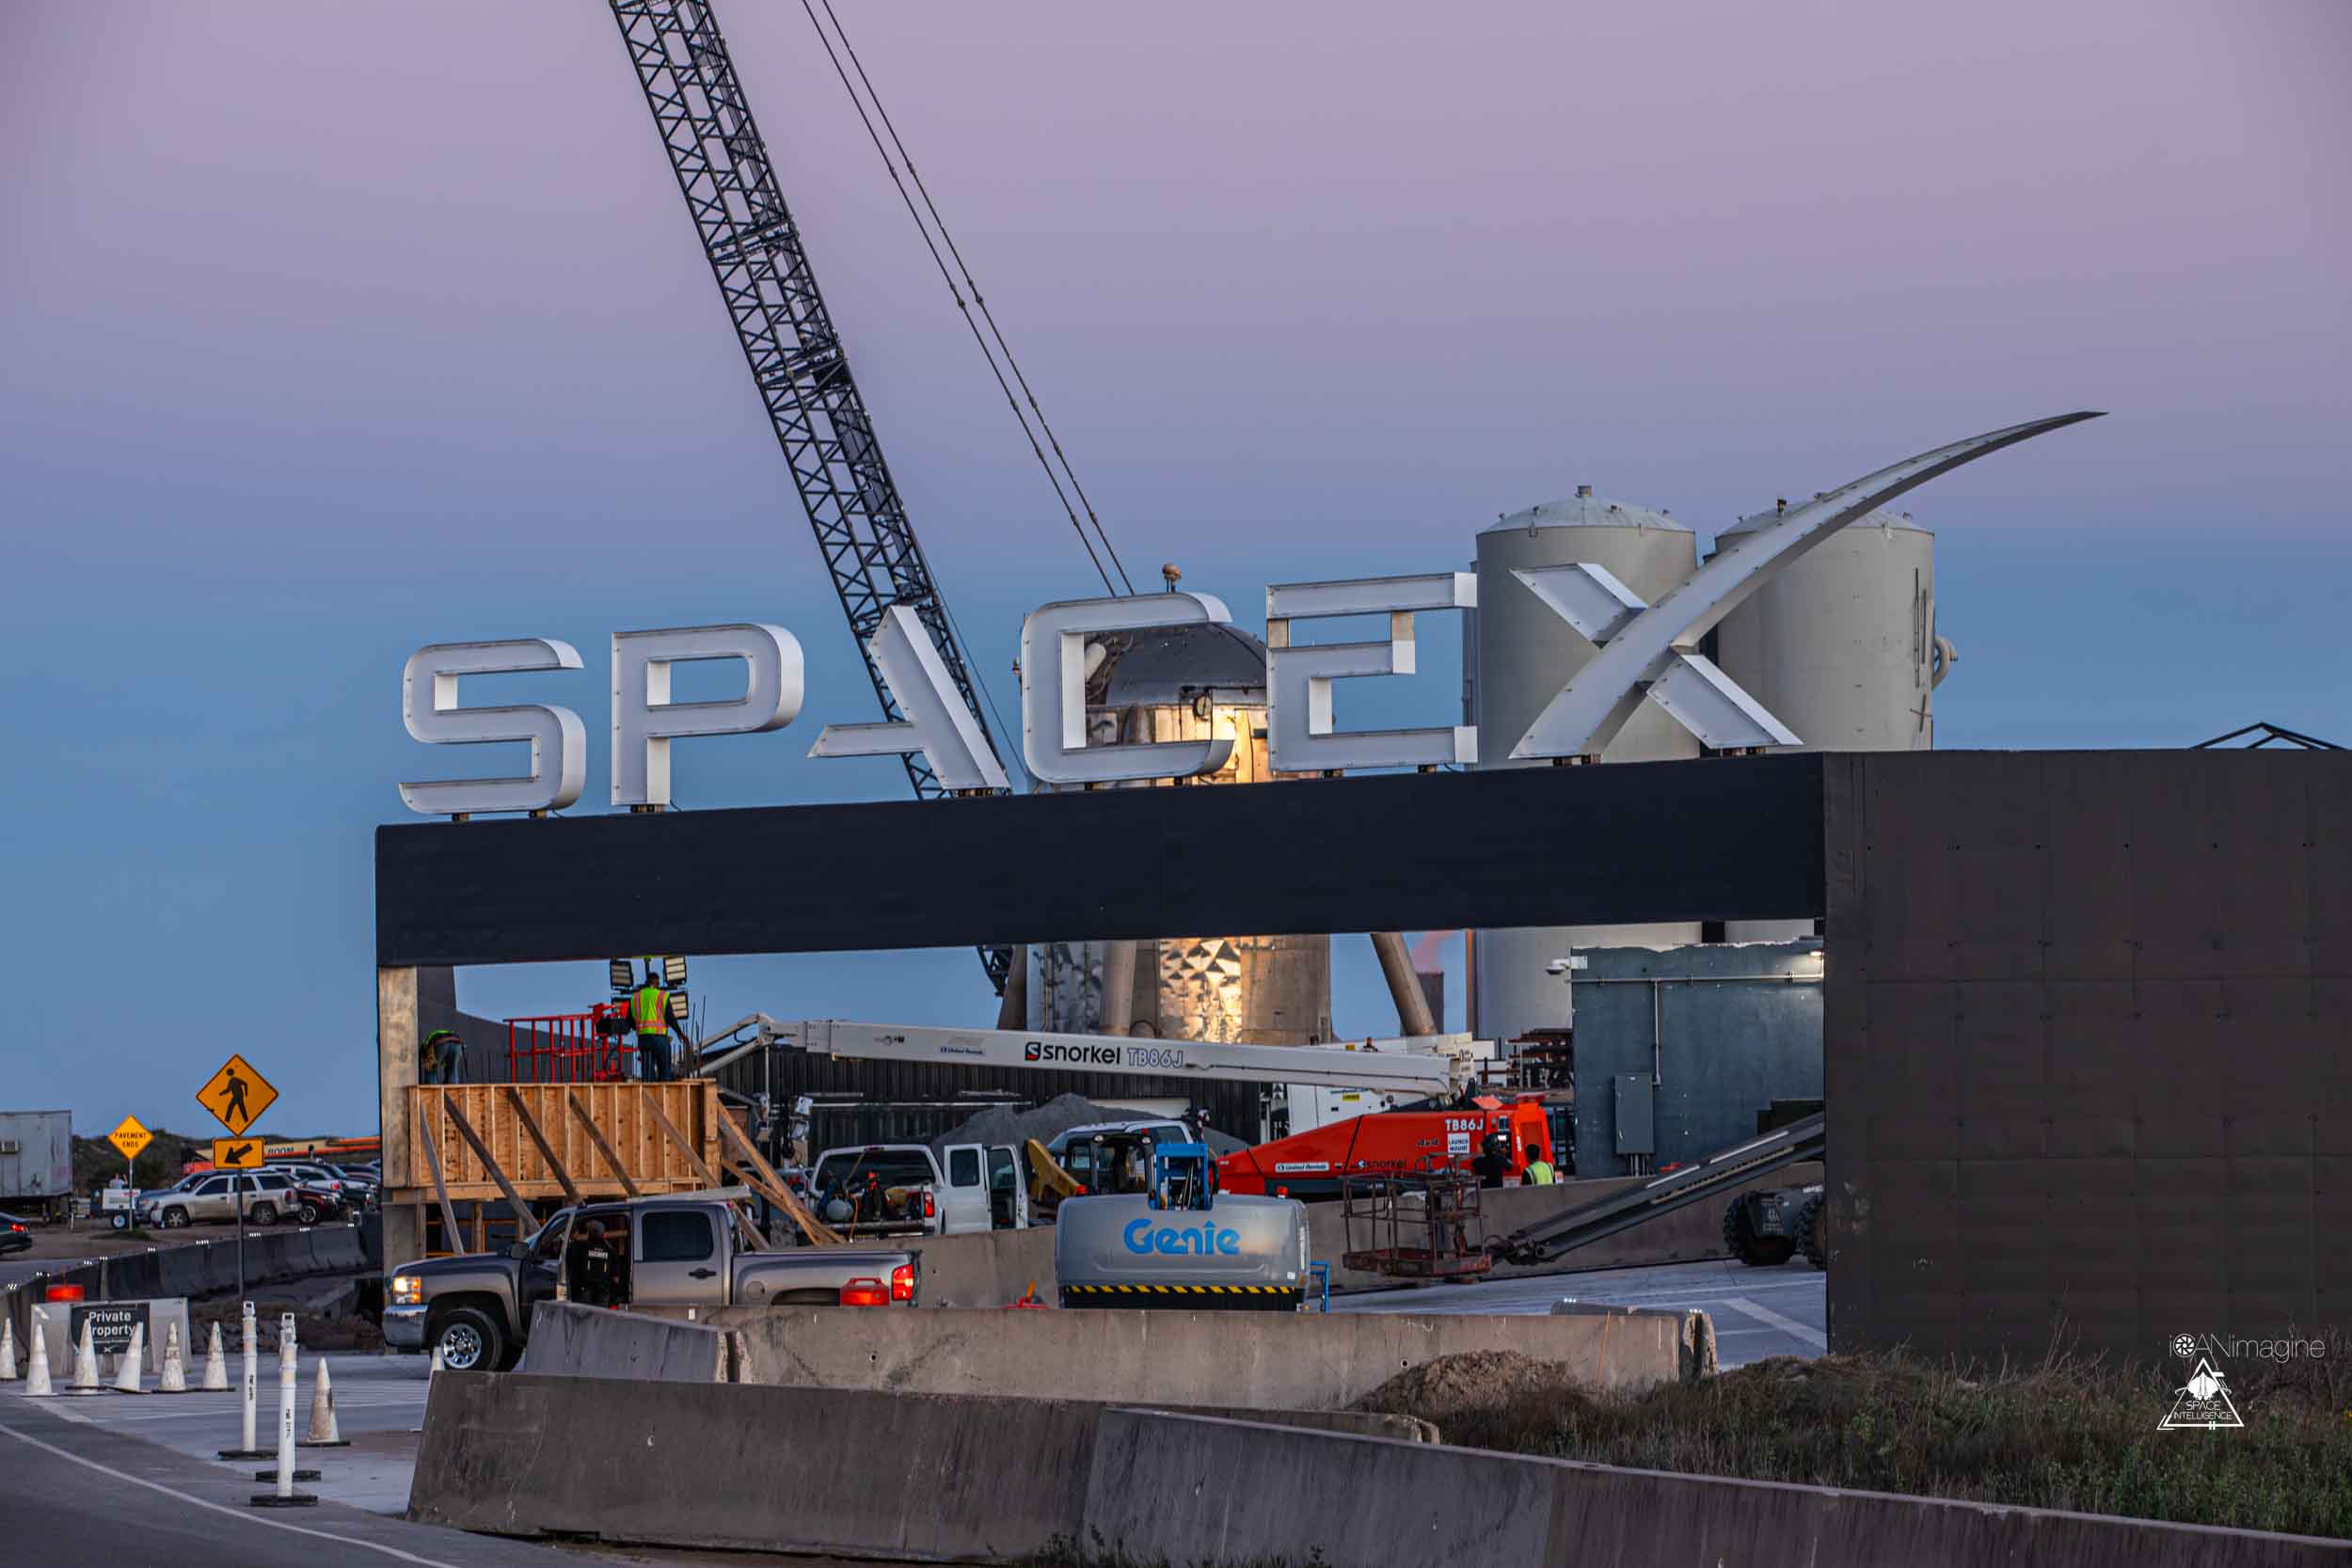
(1756, 1312)
(83, 1491)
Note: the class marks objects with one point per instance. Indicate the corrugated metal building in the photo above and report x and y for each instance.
(1678, 1049)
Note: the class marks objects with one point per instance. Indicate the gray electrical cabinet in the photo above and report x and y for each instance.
(1636, 1126)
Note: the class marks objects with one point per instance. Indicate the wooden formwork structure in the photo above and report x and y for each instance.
(512, 1154)
(625, 1115)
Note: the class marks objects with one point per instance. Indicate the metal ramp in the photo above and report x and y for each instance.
(1716, 1176)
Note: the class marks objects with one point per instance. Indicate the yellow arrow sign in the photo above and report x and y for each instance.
(236, 1095)
(237, 1153)
(130, 1137)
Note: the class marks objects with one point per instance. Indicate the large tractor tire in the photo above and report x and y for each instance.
(1813, 1231)
(1741, 1242)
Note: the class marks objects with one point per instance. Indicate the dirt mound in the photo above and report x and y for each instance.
(1452, 1386)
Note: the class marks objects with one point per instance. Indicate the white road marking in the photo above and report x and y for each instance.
(1789, 1326)
(217, 1508)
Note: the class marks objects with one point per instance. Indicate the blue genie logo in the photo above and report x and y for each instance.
(1171, 1241)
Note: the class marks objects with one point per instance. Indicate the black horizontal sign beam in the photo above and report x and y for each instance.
(1716, 839)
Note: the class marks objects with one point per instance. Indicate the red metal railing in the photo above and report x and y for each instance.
(567, 1047)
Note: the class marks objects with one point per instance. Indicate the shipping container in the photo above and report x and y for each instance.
(37, 1162)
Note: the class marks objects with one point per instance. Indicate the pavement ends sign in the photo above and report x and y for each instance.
(237, 1094)
(130, 1137)
(236, 1153)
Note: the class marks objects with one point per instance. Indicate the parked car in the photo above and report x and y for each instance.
(266, 1195)
(16, 1234)
(675, 1251)
(316, 1204)
(350, 1192)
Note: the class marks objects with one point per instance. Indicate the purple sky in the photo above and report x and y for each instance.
(326, 331)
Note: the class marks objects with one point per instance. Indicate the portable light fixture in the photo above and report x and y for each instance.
(623, 973)
(672, 973)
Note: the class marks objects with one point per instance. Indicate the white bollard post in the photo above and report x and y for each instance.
(130, 1366)
(175, 1375)
(8, 1347)
(216, 1367)
(247, 1449)
(285, 1475)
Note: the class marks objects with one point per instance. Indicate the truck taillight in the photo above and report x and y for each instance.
(903, 1282)
(929, 1209)
(865, 1292)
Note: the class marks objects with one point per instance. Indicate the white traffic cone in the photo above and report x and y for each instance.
(216, 1367)
(7, 1348)
(37, 1372)
(84, 1365)
(324, 1433)
(133, 1363)
(175, 1377)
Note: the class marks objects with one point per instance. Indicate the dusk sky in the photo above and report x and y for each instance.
(328, 331)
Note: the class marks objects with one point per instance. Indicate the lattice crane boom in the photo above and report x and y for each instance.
(796, 360)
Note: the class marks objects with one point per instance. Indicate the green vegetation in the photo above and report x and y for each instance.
(2068, 1432)
(96, 1162)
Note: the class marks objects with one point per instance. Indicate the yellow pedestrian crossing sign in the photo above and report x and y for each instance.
(236, 1153)
(236, 1095)
(130, 1137)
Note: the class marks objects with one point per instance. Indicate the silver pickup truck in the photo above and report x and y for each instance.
(667, 1252)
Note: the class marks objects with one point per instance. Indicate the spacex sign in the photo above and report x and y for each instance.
(1647, 653)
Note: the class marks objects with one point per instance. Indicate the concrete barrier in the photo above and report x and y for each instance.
(908, 1477)
(590, 1341)
(1262, 1360)
(988, 1269)
(1186, 1490)
(993, 1268)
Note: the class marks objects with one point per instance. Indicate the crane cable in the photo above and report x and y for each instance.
(957, 292)
(978, 298)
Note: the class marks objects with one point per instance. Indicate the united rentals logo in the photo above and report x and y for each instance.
(2203, 1403)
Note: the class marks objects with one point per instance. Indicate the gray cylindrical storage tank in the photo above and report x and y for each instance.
(1522, 654)
(1841, 646)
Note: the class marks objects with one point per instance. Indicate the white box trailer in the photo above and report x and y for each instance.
(37, 1162)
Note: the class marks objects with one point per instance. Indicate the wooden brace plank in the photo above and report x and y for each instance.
(611, 1161)
(473, 1141)
(547, 1151)
(440, 1188)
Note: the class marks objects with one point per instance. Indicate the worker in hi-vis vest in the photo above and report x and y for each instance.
(649, 1015)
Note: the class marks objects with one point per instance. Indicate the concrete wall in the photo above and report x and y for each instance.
(1186, 1490)
(993, 1269)
(1262, 1360)
(700, 1464)
(2089, 1048)
(590, 1341)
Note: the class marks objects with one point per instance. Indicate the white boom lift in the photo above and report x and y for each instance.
(1410, 1066)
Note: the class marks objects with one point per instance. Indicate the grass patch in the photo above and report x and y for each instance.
(2068, 1432)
